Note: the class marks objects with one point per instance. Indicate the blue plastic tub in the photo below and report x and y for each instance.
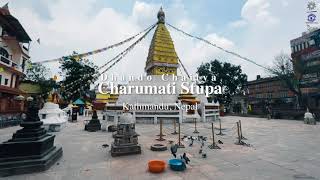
(177, 164)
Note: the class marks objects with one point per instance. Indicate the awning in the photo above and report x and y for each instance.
(78, 102)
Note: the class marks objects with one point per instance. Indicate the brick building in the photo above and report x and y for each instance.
(270, 90)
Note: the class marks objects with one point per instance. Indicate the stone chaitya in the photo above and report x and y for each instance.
(125, 138)
(31, 149)
(94, 124)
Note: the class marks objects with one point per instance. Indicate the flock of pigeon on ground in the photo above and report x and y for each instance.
(201, 139)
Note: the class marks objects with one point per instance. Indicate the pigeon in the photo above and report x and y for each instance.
(105, 145)
(220, 142)
(191, 143)
(174, 149)
(200, 151)
(184, 156)
(183, 160)
(204, 155)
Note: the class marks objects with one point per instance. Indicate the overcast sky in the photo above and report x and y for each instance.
(257, 29)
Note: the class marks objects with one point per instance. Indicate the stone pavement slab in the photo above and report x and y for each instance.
(280, 149)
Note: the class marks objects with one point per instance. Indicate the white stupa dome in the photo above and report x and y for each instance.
(126, 118)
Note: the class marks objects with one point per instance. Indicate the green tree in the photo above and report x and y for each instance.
(78, 76)
(226, 75)
(36, 72)
(39, 74)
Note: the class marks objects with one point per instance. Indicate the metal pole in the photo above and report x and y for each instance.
(238, 130)
(160, 135)
(180, 145)
(241, 131)
(214, 143)
(220, 125)
(175, 127)
(220, 133)
(195, 126)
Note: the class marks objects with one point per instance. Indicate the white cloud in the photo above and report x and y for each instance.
(238, 23)
(144, 13)
(257, 11)
(267, 29)
(74, 26)
(271, 24)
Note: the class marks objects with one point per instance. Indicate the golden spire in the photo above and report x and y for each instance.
(50, 97)
(162, 57)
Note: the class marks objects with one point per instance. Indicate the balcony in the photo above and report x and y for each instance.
(9, 63)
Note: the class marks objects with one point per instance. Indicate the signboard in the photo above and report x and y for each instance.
(312, 55)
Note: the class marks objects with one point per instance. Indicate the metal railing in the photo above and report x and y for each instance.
(7, 122)
(9, 63)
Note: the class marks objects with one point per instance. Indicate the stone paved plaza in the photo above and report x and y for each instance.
(281, 149)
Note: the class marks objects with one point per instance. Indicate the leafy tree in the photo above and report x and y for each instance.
(36, 72)
(290, 72)
(226, 75)
(78, 76)
(39, 74)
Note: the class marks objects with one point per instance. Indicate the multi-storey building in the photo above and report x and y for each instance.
(14, 54)
(306, 60)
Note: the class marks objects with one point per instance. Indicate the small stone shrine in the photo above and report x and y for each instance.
(309, 118)
(31, 149)
(54, 119)
(125, 138)
(94, 124)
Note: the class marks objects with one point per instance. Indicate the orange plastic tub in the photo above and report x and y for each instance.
(156, 166)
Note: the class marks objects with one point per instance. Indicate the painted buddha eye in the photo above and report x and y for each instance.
(312, 17)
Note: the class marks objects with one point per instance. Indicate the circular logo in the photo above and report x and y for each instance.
(312, 17)
(311, 5)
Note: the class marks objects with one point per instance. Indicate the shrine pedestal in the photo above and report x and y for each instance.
(125, 138)
(31, 149)
(94, 124)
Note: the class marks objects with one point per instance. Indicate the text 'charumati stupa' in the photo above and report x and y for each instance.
(151, 108)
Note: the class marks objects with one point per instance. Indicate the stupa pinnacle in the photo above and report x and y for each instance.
(162, 57)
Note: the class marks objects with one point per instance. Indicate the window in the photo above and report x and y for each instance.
(6, 81)
(0, 79)
(4, 53)
(23, 63)
(311, 42)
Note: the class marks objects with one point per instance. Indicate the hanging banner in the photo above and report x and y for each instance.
(79, 56)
